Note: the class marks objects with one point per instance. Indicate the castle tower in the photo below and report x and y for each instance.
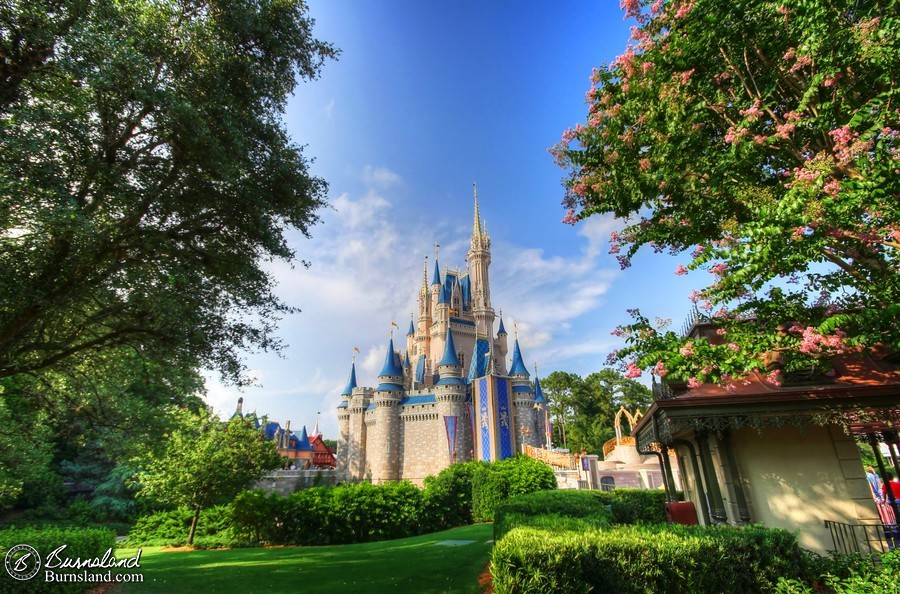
(501, 348)
(385, 438)
(523, 401)
(450, 395)
(351, 459)
(479, 258)
(423, 332)
(542, 412)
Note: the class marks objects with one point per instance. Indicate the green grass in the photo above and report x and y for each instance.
(414, 564)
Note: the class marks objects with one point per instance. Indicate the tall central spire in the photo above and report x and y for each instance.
(476, 224)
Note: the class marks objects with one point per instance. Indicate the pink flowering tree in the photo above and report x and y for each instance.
(761, 140)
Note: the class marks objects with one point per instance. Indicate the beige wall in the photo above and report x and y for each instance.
(798, 480)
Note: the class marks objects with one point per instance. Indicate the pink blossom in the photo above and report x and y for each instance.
(774, 378)
(570, 219)
(632, 371)
(832, 188)
(681, 270)
(645, 164)
(660, 369)
(687, 350)
(686, 76)
(618, 331)
(730, 387)
(695, 296)
(684, 9)
(693, 383)
(614, 248)
(721, 331)
(734, 347)
(753, 112)
(719, 269)
(632, 8)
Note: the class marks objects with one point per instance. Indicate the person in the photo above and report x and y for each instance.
(890, 483)
(874, 483)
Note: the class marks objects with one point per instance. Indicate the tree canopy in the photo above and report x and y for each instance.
(207, 462)
(146, 177)
(583, 410)
(759, 139)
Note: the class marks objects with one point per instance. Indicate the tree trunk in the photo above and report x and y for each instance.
(193, 526)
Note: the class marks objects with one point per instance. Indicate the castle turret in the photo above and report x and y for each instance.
(351, 436)
(542, 412)
(523, 401)
(450, 395)
(384, 456)
(501, 347)
(423, 329)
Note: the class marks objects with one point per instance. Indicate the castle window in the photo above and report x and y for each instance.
(607, 483)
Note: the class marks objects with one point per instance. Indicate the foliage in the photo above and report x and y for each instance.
(448, 495)
(493, 484)
(584, 409)
(207, 462)
(146, 176)
(172, 528)
(763, 136)
(84, 543)
(635, 506)
(553, 511)
(665, 558)
(861, 576)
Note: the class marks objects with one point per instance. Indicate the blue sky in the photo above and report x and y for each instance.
(425, 99)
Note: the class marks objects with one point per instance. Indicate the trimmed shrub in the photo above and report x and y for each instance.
(84, 543)
(640, 559)
(492, 484)
(635, 506)
(553, 510)
(448, 496)
(847, 574)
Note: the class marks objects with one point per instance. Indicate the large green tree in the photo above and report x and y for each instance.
(761, 140)
(206, 462)
(583, 409)
(146, 176)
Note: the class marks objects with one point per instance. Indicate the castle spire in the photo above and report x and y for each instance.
(476, 224)
(450, 357)
(351, 383)
(425, 277)
(390, 369)
(518, 366)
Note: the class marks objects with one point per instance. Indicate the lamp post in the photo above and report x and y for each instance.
(526, 432)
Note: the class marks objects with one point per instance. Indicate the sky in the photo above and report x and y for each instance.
(426, 99)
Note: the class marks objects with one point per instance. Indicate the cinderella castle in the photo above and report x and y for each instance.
(449, 396)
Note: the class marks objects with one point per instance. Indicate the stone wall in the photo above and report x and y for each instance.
(285, 482)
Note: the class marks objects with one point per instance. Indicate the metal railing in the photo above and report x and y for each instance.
(559, 460)
(865, 538)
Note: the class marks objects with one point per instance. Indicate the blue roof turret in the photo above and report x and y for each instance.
(303, 440)
(412, 329)
(391, 367)
(436, 277)
(351, 383)
(538, 395)
(450, 357)
(518, 366)
(443, 296)
(502, 330)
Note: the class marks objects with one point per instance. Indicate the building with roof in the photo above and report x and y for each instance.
(783, 454)
(448, 397)
(302, 449)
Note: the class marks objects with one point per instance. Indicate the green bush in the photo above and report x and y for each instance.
(448, 496)
(642, 559)
(552, 509)
(495, 483)
(171, 528)
(635, 506)
(847, 574)
(81, 542)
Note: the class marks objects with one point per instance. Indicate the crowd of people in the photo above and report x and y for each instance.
(886, 494)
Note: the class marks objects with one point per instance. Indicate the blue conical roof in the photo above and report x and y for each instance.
(538, 395)
(502, 330)
(518, 366)
(443, 296)
(351, 383)
(390, 362)
(412, 329)
(303, 440)
(450, 357)
(436, 278)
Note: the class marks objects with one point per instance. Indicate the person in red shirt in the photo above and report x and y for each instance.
(890, 483)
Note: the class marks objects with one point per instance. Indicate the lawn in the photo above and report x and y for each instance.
(418, 564)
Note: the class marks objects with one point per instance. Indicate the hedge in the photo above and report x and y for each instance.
(492, 484)
(83, 543)
(554, 510)
(635, 506)
(171, 528)
(643, 559)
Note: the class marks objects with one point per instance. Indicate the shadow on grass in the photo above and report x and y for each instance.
(416, 564)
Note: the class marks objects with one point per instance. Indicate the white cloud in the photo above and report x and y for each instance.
(380, 177)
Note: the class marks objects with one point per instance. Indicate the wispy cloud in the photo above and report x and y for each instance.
(329, 108)
(380, 177)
